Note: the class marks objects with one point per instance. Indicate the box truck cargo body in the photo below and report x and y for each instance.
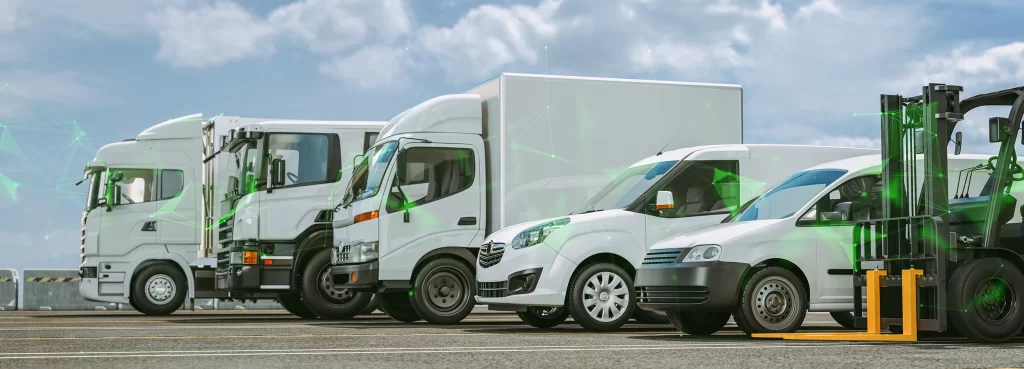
(449, 171)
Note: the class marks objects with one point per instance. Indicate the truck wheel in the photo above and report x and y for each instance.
(844, 318)
(322, 297)
(372, 306)
(159, 289)
(544, 317)
(698, 323)
(650, 317)
(293, 303)
(398, 306)
(601, 297)
(771, 302)
(986, 298)
(443, 291)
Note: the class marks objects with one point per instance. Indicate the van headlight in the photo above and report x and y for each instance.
(536, 234)
(368, 251)
(703, 253)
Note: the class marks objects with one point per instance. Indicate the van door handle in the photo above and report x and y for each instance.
(149, 226)
(467, 221)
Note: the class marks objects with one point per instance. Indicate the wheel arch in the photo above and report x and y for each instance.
(1016, 259)
(305, 248)
(777, 262)
(462, 254)
(604, 257)
(162, 258)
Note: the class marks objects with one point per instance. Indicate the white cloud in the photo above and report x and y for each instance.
(9, 15)
(771, 13)
(975, 68)
(330, 26)
(739, 33)
(818, 6)
(849, 141)
(490, 37)
(62, 87)
(209, 34)
(371, 67)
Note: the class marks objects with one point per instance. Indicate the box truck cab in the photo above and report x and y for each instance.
(450, 170)
(280, 197)
(787, 252)
(583, 264)
(140, 225)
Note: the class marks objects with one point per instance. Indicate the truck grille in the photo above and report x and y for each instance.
(490, 254)
(492, 289)
(667, 256)
(345, 253)
(672, 295)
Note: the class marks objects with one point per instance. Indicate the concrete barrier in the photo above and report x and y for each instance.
(54, 289)
(8, 289)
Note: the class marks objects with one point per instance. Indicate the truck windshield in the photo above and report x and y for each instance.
(370, 172)
(244, 163)
(95, 179)
(625, 188)
(785, 199)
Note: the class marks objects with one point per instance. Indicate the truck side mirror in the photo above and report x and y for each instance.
(232, 186)
(277, 173)
(663, 200)
(919, 141)
(998, 129)
(115, 196)
(116, 176)
(958, 142)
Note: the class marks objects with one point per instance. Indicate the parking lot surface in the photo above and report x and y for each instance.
(262, 339)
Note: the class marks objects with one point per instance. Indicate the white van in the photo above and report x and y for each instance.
(585, 261)
(788, 252)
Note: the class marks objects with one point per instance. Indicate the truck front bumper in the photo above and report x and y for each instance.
(356, 276)
(241, 279)
(693, 286)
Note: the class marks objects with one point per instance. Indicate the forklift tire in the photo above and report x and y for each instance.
(844, 318)
(650, 317)
(443, 291)
(398, 306)
(159, 289)
(544, 317)
(598, 310)
(986, 300)
(293, 303)
(373, 306)
(698, 323)
(767, 292)
(323, 298)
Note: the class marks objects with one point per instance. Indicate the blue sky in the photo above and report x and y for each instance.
(114, 67)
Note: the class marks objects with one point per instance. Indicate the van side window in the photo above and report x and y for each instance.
(430, 174)
(704, 187)
(171, 183)
(305, 157)
(856, 200)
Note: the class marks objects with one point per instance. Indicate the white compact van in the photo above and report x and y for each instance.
(582, 264)
(788, 252)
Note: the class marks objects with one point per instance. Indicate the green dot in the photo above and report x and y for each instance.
(545, 47)
(410, 292)
(49, 293)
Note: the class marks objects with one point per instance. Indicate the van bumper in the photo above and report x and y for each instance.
(693, 286)
(363, 276)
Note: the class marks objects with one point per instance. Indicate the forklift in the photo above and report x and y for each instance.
(948, 266)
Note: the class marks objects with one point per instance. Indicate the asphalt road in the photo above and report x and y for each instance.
(484, 340)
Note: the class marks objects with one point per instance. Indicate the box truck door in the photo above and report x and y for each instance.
(434, 198)
(130, 223)
(704, 193)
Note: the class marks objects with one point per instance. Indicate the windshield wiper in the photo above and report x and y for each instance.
(592, 211)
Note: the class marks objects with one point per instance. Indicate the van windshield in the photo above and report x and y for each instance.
(629, 185)
(785, 199)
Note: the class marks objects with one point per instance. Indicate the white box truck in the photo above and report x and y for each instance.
(272, 232)
(449, 171)
(140, 227)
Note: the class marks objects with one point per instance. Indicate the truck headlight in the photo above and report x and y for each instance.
(243, 257)
(368, 251)
(536, 234)
(703, 253)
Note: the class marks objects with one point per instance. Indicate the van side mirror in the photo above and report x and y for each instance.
(232, 186)
(919, 141)
(958, 143)
(664, 201)
(277, 172)
(998, 129)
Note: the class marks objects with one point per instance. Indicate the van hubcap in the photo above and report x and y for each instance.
(605, 297)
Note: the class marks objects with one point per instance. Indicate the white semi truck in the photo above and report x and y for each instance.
(449, 171)
(270, 232)
(140, 227)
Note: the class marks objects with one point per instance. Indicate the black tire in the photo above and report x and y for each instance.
(844, 318)
(320, 295)
(398, 306)
(167, 284)
(544, 317)
(443, 291)
(986, 300)
(372, 306)
(131, 302)
(650, 317)
(773, 301)
(698, 323)
(602, 278)
(293, 303)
